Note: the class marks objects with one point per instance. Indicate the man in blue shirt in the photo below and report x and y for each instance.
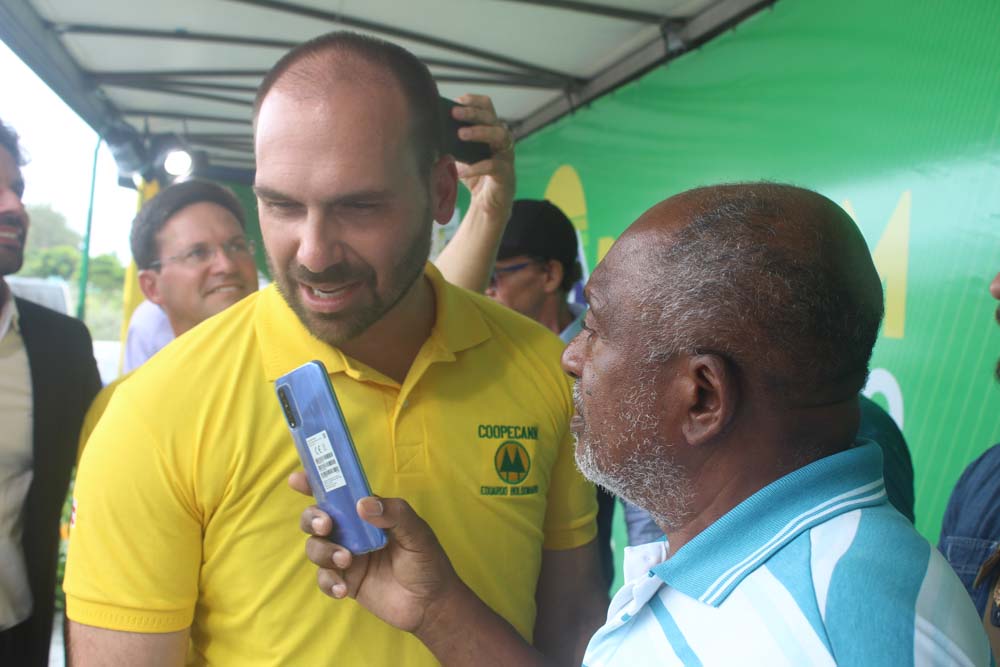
(970, 531)
(729, 333)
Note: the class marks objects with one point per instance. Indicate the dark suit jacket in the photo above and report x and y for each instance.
(64, 380)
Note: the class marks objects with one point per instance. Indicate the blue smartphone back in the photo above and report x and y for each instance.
(327, 452)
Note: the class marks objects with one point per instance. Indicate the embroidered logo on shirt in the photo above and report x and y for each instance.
(511, 460)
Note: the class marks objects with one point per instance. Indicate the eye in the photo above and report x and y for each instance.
(280, 206)
(238, 246)
(359, 207)
(197, 254)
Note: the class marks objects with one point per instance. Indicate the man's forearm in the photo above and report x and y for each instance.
(572, 603)
(467, 260)
(462, 631)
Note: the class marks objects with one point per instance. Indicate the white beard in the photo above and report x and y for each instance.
(648, 476)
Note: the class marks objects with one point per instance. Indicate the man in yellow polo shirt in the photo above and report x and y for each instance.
(181, 544)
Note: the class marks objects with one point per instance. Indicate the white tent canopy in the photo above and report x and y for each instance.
(136, 71)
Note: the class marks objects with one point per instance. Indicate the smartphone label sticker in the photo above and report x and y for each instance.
(326, 461)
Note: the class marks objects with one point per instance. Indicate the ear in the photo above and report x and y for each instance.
(711, 397)
(149, 284)
(444, 189)
(553, 276)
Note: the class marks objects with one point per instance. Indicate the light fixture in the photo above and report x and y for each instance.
(178, 162)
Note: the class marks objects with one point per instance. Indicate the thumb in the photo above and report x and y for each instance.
(395, 516)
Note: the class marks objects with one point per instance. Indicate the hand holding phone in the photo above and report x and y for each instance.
(468, 152)
(328, 455)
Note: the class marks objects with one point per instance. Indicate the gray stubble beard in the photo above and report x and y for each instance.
(648, 477)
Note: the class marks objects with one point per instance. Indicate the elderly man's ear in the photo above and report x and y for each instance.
(709, 391)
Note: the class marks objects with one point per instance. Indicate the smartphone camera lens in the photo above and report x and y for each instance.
(287, 407)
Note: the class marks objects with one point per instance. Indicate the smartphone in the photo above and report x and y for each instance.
(468, 152)
(327, 452)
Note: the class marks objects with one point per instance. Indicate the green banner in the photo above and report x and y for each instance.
(889, 107)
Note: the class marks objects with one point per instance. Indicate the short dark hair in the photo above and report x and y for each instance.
(539, 229)
(155, 213)
(10, 142)
(412, 75)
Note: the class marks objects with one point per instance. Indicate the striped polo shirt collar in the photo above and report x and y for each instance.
(714, 563)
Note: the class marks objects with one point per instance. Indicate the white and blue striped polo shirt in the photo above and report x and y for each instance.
(814, 569)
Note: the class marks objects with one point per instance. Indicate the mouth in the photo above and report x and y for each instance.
(227, 289)
(11, 236)
(329, 298)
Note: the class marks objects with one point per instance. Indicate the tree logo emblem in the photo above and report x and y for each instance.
(512, 462)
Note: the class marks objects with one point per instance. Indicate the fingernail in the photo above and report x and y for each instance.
(341, 558)
(464, 133)
(316, 524)
(339, 590)
(373, 507)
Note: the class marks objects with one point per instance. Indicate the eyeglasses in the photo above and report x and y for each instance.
(201, 254)
(499, 271)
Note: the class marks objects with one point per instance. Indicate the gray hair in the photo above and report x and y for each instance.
(729, 283)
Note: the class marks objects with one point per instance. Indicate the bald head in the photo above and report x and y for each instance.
(774, 277)
(317, 68)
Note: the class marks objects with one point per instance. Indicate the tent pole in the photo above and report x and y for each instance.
(81, 303)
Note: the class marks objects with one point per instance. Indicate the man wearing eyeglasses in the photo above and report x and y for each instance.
(194, 258)
(189, 243)
(537, 266)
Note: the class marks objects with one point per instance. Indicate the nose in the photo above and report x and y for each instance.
(995, 287)
(571, 358)
(223, 262)
(10, 202)
(320, 245)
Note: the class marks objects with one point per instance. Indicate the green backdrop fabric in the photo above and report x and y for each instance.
(889, 107)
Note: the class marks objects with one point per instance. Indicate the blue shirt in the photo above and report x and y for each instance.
(149, 331)
(970, 531)
(814, 569)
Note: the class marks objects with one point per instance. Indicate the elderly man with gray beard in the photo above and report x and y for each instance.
(729, 333)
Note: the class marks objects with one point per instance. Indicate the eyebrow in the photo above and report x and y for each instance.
(361, 195)
(268, 193)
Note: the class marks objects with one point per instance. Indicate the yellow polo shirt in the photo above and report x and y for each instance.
(184, 517)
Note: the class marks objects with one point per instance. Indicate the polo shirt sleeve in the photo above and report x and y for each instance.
(135, 541)
(571, 513)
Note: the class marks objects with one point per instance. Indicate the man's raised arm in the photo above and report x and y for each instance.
(467, 260)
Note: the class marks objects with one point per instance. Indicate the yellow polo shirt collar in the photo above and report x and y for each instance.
(458, 326)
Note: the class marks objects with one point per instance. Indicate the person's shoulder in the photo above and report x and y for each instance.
(35, 315)
(203, 355)
(987, 464)
(874, 567)
(513, 325)
(876, 423)
(147, 316)
(981, 477)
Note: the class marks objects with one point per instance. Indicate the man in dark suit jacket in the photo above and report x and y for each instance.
(48, 379)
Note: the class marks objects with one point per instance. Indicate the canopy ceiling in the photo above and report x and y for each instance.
(137, 70)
